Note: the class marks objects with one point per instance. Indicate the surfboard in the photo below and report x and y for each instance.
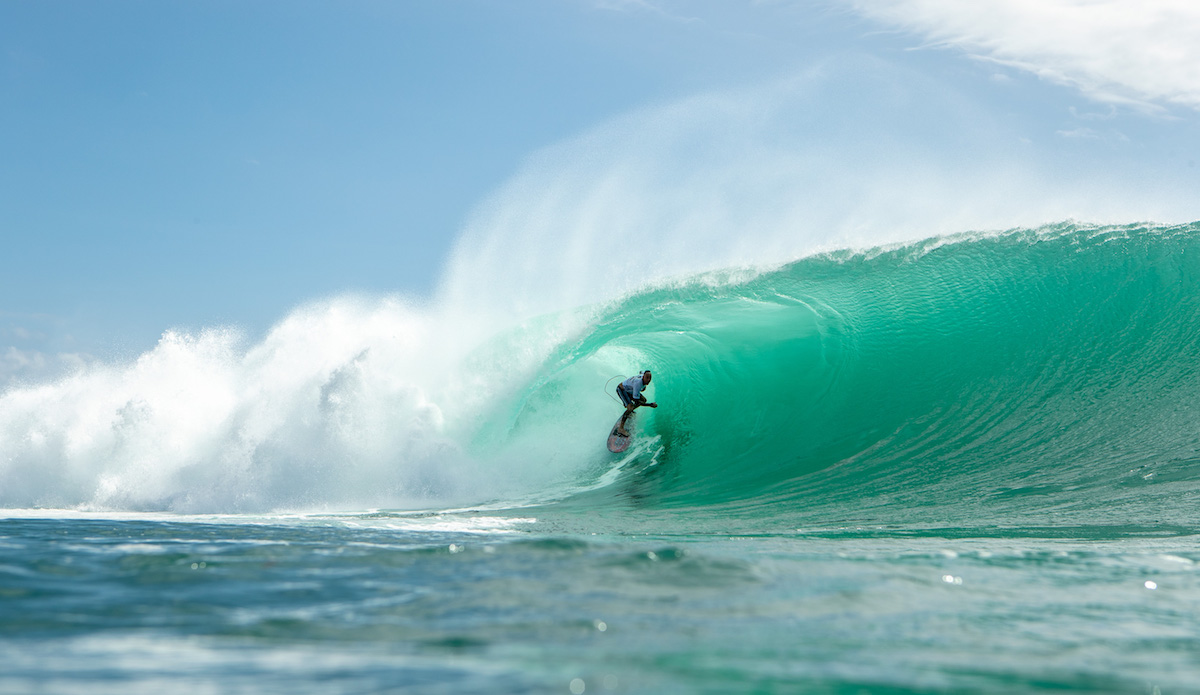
(617, 443)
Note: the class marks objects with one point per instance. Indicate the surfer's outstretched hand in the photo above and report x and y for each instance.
(652, 405)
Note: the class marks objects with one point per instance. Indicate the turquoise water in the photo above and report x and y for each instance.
(966, 464)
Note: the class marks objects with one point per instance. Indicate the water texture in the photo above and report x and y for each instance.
(963, 464)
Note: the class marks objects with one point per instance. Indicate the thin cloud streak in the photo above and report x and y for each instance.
(640, 6)
(33, 366)
(1136, 53)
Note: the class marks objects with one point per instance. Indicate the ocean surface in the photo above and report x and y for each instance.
(962, 464)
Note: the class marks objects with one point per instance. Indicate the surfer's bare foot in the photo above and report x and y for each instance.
(622, 433)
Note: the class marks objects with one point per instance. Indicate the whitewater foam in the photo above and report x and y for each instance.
(353, 402)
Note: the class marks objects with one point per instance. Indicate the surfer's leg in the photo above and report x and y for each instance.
(621, 427)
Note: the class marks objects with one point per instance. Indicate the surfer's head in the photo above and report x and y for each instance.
(646, 377)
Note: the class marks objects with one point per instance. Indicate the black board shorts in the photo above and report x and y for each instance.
(627, 399)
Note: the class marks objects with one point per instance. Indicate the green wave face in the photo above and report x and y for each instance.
(1053, 369)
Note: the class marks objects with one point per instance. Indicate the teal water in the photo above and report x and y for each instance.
(1033, 377)
(966, 464)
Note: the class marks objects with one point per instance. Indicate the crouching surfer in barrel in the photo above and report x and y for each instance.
(630, 392)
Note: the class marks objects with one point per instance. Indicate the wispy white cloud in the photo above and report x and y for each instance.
(37, 365)
(1106, 115)
(18, 360)
(34, 347)
(625, 5)
(1079, 134)
(1105, 136)
(1142, 52)
(656, 8)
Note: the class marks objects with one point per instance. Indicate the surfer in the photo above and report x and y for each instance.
(630, 392)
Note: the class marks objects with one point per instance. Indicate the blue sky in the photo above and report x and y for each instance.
(189, 164)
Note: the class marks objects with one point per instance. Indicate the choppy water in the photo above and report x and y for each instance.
(962, 465)
(382, 604)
